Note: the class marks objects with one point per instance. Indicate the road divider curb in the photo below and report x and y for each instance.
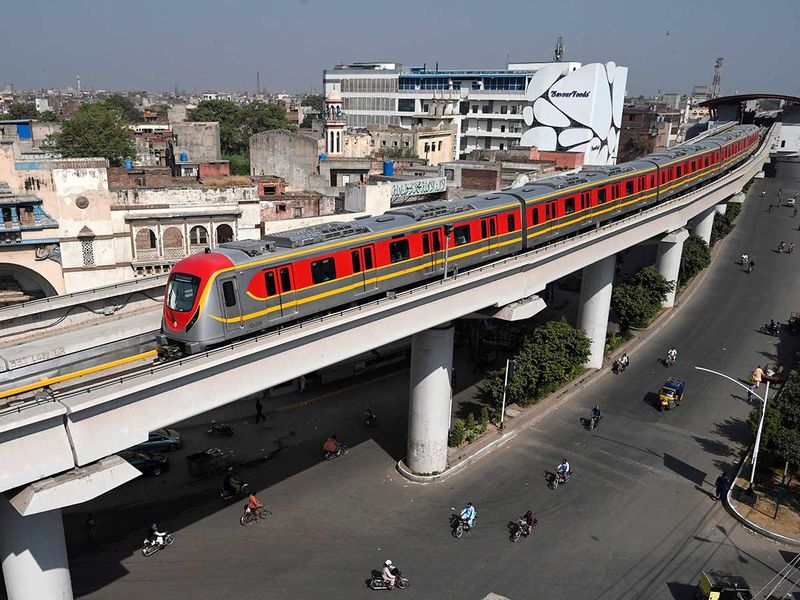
(777, 537)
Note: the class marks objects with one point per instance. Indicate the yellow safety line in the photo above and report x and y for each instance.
(68, 376)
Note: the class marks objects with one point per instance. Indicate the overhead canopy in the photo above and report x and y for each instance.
(737, 98)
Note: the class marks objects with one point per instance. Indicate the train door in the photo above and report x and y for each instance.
(432, 250)
(364, 268)
(231, 307)
(585, 207)
(286, 291)
(489, 233)
(551, 219)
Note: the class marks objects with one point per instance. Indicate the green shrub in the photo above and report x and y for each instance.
(483, 424)
(695, 257)
(734, 209)
(457, 434)
(471, 427)
(638, 301)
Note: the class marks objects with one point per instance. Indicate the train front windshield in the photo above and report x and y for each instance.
(182, 291)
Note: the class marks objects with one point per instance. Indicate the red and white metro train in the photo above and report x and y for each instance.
(249, 286)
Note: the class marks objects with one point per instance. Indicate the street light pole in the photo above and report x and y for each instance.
(760, 421)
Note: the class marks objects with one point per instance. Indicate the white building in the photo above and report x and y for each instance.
(553, 106)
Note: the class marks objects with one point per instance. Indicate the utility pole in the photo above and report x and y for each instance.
(258, 83)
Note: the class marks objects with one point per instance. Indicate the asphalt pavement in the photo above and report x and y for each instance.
(637, 520)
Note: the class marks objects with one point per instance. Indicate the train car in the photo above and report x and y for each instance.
(249, 286)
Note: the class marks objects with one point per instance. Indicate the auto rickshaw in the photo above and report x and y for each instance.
(716, 585)
(671, 393)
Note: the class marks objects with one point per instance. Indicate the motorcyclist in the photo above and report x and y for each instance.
(745, 259)
(155, 536)
(763, 193)
(672, 355)
(370, 417)
(527, 522)
(624, 361)
(468, 514)
(790, 249)
(231, 484)
(388, 574)
(773, 326)
(781, 246)
(563, 469)
(597, 414)
(331, 445)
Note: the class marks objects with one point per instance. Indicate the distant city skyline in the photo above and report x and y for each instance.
(155, 46)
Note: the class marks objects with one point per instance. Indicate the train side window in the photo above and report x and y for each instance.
(652, 181)
(601, 195)
(286, 280)
(426, 243)
(437, 244)
(462, 235)
(628, 188)
(484, 233)
(678, 171)
(229, 294)
(706, 161)
(269, 279)
(569, 206)
(356, 256)
(367, 258)
(512, 225)
(399, 251)
(323, 270)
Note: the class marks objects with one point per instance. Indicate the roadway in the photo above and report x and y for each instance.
(636, 521)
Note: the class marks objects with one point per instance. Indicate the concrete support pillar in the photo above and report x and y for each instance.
(668, 260)
(34, 555)
(430, 403)
(701, 225)
(598, 280)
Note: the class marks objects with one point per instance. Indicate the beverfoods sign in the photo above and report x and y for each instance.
(572, 94)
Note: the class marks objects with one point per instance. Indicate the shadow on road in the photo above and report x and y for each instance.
(685, 470)
(681, 591)
(651, 399)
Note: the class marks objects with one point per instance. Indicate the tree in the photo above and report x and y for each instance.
(723, 225)
(315, 101)
(554, 353)
(48, 116)
(240, 164)
(636, 146)
(695, 257)
(21, 110)
(237, 124)
(126, 108)
(637, 301)
(96, 129)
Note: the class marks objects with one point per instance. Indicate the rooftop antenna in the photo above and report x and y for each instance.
(558, 53)
(258, 82)
(715, 83)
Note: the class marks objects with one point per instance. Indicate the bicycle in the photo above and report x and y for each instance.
(249, 516)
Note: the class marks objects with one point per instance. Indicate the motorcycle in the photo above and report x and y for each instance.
(149, 548)
(669, 361)
(744, 260)
(770, 330)
(376, 582)
(520, 529)
(220, 430)
(618, 366)
(592, 422)
(342, 451)
(460, 526)
(370, 419)
(559, 479)
(243, 489)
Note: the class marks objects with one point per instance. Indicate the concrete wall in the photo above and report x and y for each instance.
(292, 156)
(790, 130)
(200, 141)
(294, 206)
(176, 113)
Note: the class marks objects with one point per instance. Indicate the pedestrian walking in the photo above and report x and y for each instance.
(91, 528)
(757, 375)
(794, 214)
(750, 389)
(259, 411)
(721, 486)
(302, 383)
(751, 265)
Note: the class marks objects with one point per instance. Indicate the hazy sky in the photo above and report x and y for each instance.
(204, 45)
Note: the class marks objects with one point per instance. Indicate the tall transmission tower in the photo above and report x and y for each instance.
(715, 83)
(558, 53)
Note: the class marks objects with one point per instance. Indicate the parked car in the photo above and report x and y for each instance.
(161, 440)
(149, 464)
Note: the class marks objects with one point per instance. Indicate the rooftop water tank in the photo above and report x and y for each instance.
(323, 157)
(388, 168)
(128, 164)
(184, 157)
